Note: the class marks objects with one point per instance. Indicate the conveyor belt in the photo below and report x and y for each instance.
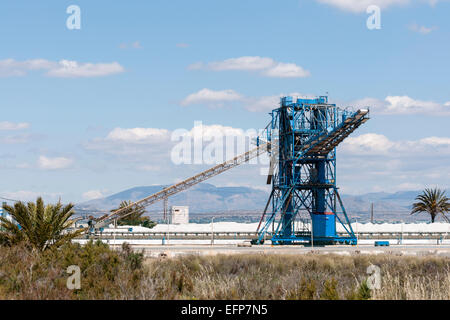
(325, 143)
(321, 145)
(183, 185)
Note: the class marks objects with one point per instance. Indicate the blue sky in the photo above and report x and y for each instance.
(73, 101)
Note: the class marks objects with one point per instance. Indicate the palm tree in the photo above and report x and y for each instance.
(133, 216)
(133, 213)
(434, 202)
(38, 225)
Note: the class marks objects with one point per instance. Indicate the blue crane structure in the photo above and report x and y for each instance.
(303, 136)
(301, 140)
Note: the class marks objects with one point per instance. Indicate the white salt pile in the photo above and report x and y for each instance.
(251, 227)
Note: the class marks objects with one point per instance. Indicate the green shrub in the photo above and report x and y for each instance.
(125, 274)
(329, 291)
(364, 292)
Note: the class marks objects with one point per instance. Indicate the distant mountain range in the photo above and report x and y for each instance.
(203, 197)
(206, 199)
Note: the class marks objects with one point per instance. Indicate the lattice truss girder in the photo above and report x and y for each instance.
(185, 184)
(307, 135)
(305, 174)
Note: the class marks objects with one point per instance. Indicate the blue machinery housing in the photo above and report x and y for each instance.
(304, 205)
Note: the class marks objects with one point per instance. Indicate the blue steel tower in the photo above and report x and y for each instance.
(304, 134)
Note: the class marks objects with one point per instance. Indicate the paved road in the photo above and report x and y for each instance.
(174, 250)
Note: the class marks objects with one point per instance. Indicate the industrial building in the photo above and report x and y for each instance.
(303, 137)
(179, 215)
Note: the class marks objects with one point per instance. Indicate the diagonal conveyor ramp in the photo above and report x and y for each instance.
(322, 145)
(185, 184)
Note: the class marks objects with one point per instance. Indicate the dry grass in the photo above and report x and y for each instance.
(107, 274)
(300, 277)
(408, 287)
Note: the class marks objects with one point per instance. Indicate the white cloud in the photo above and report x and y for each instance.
(435, 141)
(92, 194)
(358, 6)
(18, 138)
(404, 105)
(261, 104)
(378, 144)
(144, 150)
(433, 3)
(137, 135)
(391, 105)
(212, 144)
(211, 97)
(421, 29)
(61, 69)
(136, 143)
(242, 63)
(408, 186)
(25, 195)
(266, 66)
(158, 138)
(208, 131)
(196, 66)
(11, 67)
(393, 165)
(370, 143)
(133, 145)
(6, 125)
(253, 104)
(268, 103)
(286, 70)
(372, 158)
(73, 69)
(47, 163)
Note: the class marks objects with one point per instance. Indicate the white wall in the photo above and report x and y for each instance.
(179, 215)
